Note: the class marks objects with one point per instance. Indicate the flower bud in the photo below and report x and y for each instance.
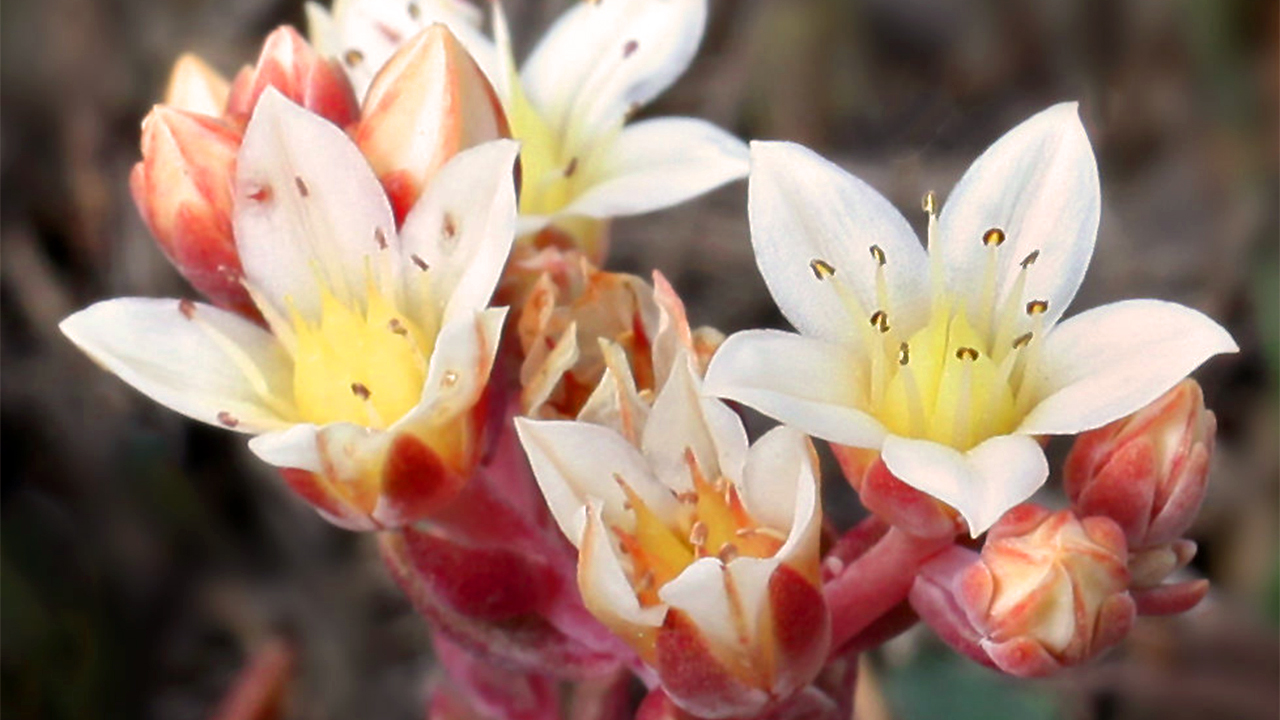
(1148, 471)
(182, 187)
(427, 103)
(1046, 592)
(291, 66)
(196, 87)
(897, 503)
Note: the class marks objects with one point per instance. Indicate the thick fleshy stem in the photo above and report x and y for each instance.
(476, 687)
(876, 582)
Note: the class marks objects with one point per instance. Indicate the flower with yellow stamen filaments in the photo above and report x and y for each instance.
(950, 361)
(364, 385)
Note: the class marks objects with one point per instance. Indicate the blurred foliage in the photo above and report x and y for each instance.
(934, 683)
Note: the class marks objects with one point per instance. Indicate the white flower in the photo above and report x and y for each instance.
(597, 65)
(375, 342)
(692, 546)
(950, 362)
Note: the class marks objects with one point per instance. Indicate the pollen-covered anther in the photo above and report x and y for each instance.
(1037, 307)
(966, 353)
(1030, 259)
(929, 203)
(821, 269)
(880, 321)
(1022, 340)
(361, 390)
(993, 237)
(904, 354)
(878, 254)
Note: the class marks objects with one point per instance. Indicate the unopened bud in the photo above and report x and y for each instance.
(1149, 471)
(897, 503)
(196, 87)
(1047, 591)
(293, 67)
(428, 102)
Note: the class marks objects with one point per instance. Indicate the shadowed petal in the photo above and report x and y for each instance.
(683, 419)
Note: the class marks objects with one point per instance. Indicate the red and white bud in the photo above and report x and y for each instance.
(196, 87)
(427, 103)
(1049, 590)
(897, 503)
(1148, 471)
(182, 187)
(294, 68)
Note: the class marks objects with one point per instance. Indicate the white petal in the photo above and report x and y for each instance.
(605, 588)
(377, 28)
(463, 226)
(308, 208)
(192, 358)
(779, 486)
(600, 60)
(656, 164)
(1038, 183)
(683, 419)
(701, 591)
(459, 367)
(804, 382)
(616, 403)
(980, 484)
(803, 208)
(1110, 361)
(574, 462)
(291, 448)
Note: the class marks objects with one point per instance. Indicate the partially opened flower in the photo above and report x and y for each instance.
(569, 105)
(365, 384)
(699, 552)
(950, 362)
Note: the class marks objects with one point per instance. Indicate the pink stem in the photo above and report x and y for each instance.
(876, 581)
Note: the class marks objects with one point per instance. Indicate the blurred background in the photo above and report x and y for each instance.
(145, 558)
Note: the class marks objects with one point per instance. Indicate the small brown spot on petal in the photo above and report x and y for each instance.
(187, 308)
(380, 237)
(630, 48)
(303, 190)
(261, 194)
(571, 168)
(417, 260)
(360, 390)
(450, 227)
(227, 419)
(353, 57)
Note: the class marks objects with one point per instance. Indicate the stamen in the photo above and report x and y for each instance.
(571, 168)
(929, 203)
(727, 553)
(878, 255)
(187, 308)
(698, 537)
(1037, 307)
(915, 404)
(965, 415)
(966, 353)
(930, 206)
(227, 419)
(904, 354)
(880, 321)
(993, 237)
(992, 240)
(821, 269)
(1022, 340)
(1030, 259)
(361, 390)
(353, 57)
(303, 190)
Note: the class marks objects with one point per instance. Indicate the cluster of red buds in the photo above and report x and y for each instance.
(556, 484)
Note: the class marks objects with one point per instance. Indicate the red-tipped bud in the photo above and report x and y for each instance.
(1047, 591)
(182, 187)
(196, 87)
(1148, 472)
(894, 501)
(293, 67)
(428, 102)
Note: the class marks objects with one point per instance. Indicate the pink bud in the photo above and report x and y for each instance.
(894, 501)
(293, 67)
(1046, 592)
(1148, 472)
(182, 188)
(428, 102)
(196, 87)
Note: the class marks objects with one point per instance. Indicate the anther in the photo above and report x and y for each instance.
(1030, 259)
(1037, 307)
(904, 354)
(571, 168)
(728, 552)
(187, 308)
(227, 419)
(698, 534)
(821, 269)
(450, 378)
(303, 190)
(630, 48)
(414, 12)
(380, 237)
(450, 227)
(397, 327)
(417, 260)
(880, 321)
(929, 203)
(353, 57)
(878, 254)
(1022, 340)
(360, 390)
(993, 237)
(966, 353)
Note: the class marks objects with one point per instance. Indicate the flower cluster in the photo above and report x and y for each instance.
(401, 236)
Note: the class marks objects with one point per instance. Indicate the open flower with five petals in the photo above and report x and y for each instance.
(366, 383)
(699, 552)
(951, 361)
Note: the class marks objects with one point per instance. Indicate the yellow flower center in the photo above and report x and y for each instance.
(958, 380)
(712, 521)
(364, 366)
